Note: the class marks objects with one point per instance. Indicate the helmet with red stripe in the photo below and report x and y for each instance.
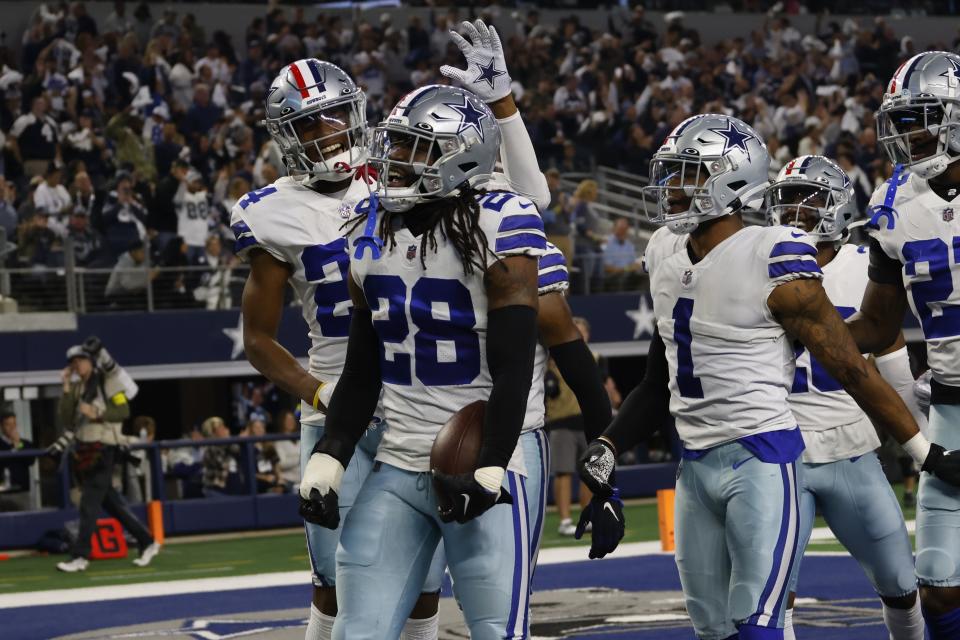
(812, 193)
(918, 123)
(317, 115)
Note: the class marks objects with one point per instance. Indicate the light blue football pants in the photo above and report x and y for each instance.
(938, 509)
(322, 542)
(737, 539)
(862, 511)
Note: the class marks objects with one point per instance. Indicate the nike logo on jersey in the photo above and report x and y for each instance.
(737, 465)
(524, 205)
(466, 501)
(607, 507)
(797, 235)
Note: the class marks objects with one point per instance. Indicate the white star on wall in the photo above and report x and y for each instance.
(643, 318)
(236, 336)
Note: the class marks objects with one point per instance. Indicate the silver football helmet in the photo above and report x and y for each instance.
(815, 194)
(317, 115)
(710, 166)
(918, 123)
(435, 140)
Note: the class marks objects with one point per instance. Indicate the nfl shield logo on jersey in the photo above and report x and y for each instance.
(411, 252)
(346, 208)
(948, 214)
(686, 278)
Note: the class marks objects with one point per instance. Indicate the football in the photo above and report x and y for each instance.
(457, 446)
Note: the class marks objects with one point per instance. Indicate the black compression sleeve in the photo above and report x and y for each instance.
(511, 343)
(647, 407)
(883, 269)
(354, 400)
(582, 374)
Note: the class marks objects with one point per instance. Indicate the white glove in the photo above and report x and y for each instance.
(323, 473)
(486, 73)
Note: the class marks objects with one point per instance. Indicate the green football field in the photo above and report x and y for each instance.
(262, 552)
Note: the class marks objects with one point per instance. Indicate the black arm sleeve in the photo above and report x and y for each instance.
(883, 269)
(648, 405)
(354, 400)
(511, 344)
(582, 374)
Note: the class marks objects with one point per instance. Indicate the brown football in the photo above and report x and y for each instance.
(457, 447)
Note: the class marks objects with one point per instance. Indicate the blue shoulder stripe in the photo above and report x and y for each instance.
(552, 260)
(521, 241)
(553, 277)
(792, 248)
(530, 222)
(778, 269)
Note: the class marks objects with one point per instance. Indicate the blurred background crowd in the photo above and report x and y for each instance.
(132, 136)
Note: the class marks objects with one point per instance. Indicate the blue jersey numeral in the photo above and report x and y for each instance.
(688, 384)
(329, 293)
(256, 196)
(446, 346)
(822, 381)
(938, 318)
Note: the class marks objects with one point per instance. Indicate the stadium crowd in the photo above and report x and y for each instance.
(145, 127)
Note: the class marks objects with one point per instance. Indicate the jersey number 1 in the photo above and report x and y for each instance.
(688, 384)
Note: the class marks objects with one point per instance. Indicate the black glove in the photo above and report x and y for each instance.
(943, 464)
(462, 498)
(322, 510)
(606, 515)
(596, 468)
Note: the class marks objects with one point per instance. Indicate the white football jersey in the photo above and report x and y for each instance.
(552, 278)
(922, 231)
(432, 323)
(730, 362)
(834, 427)
(303, 228)
(193, 215)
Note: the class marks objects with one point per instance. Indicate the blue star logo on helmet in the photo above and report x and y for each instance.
(954, 69)
(734, 138)
(470, 116)
(488, 73)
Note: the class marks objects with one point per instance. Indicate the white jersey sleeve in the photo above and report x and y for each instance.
(791, 255)
(513, 226)
(552, 274)
(919, 229)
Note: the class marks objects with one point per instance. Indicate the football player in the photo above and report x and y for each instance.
(291, 231)
(725, 297)
(444, 284)
(842, 476)
(914, 259)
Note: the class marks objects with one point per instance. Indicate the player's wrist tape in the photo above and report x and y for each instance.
(322, 471)
(490, 478)
(918, 448)
(316, 395)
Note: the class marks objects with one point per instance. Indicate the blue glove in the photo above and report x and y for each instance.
(606, 515)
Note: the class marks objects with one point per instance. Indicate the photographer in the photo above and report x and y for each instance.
(92, 409)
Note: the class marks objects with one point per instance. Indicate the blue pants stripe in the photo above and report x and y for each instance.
(520, 572)
(774, 592)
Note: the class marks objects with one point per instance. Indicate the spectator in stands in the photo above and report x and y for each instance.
(571, 106)
(269, 479)
(193, 207)
(51, 196)
(185, 464)
(124, 217)
(36, 242)
(124, 130)
(219, 461)
(587, 240)
(288, 451)
(14, 474)
(85, 143)
(202, 115)
(213, 286)
(87, 243)
(620, 261)
(129, 279)
(35, 138)
(86, 199)
(9, 218)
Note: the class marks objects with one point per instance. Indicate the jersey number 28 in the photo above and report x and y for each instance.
(446, 347)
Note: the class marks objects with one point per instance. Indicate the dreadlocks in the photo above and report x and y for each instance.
(458, 219)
